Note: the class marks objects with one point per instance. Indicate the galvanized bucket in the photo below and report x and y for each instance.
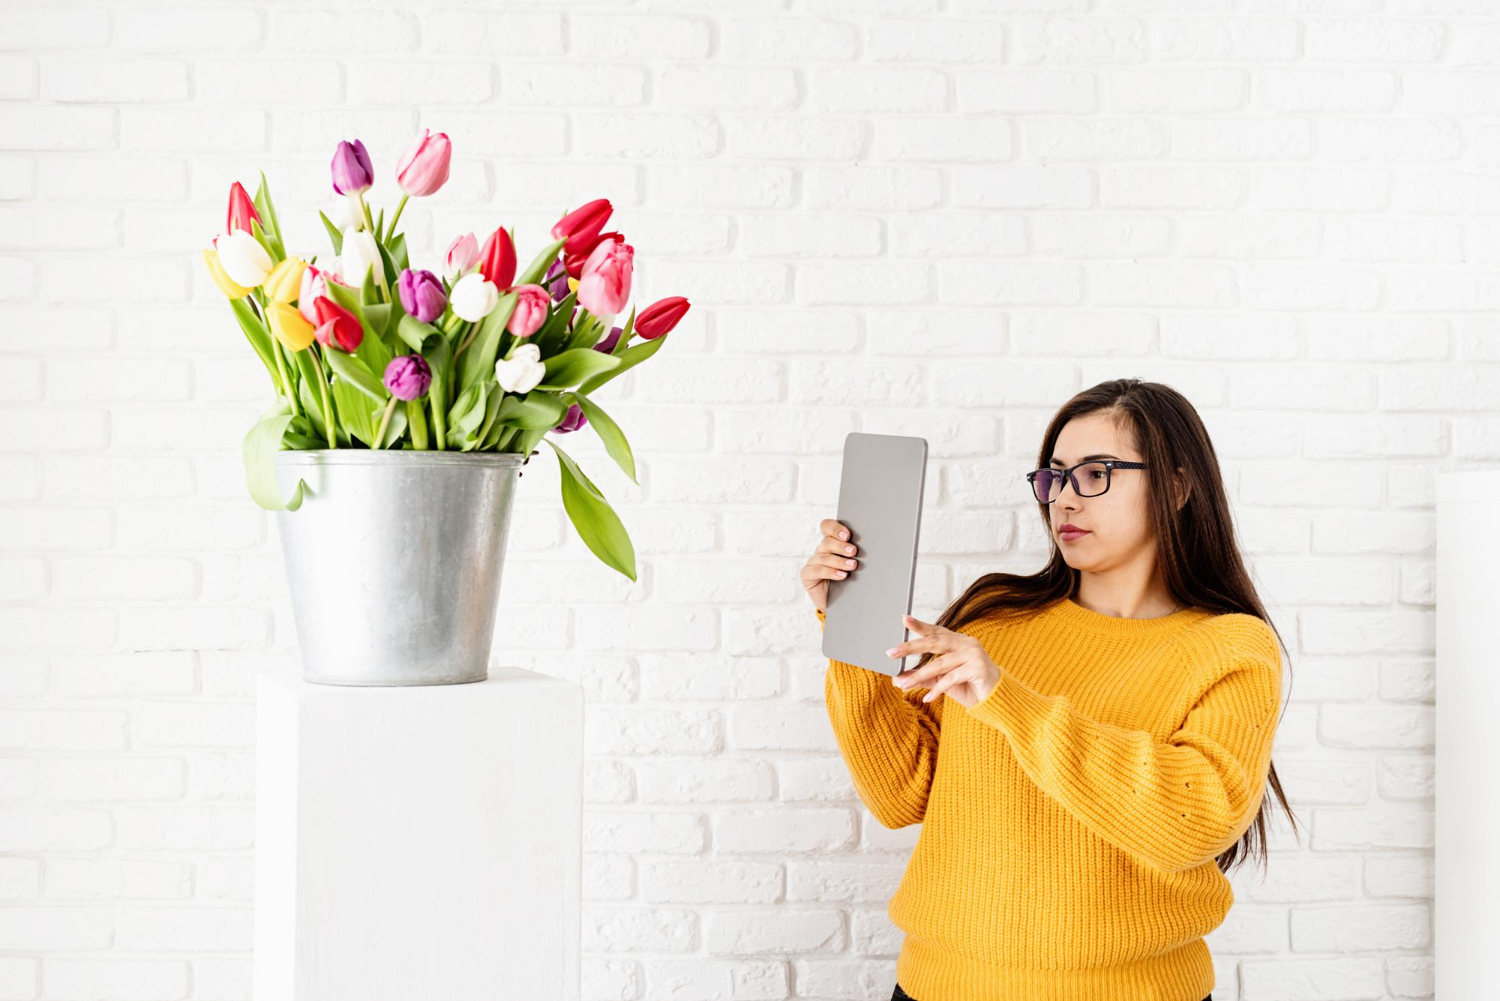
(393, 561)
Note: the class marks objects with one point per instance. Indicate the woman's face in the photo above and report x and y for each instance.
(1118, 530)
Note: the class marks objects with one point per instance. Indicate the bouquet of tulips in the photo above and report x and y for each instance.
(365, 351)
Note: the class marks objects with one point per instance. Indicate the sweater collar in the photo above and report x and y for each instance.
(1075, 616)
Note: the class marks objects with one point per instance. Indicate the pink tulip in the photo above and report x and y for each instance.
(462, 253)
(314, 284)
(533, 304)
(423, 168)
(605, 286)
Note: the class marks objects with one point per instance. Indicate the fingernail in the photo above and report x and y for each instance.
(844, 535)
(891, 652)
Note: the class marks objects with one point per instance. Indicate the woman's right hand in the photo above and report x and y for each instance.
(832, 560)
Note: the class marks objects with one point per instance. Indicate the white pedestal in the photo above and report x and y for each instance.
(420, 842)
(1466, 916)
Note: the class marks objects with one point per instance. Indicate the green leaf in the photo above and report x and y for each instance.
(267, 210)
(416, 418)
(436, 351)
(353, 372)
(258, 336)
(334, 234)
(629, 358)
(537, 269)
(492, 396)
(372, 349)
(478, 359)
(575, 366)
(414, 333)
(465, 417)
(538, 410)
(553, 334)
(395, 428)
(262, 442)
(609, 432)
(398, 252)
(352, 406)
(596, 522)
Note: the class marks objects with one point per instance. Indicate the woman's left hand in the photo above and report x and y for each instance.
(959, 665)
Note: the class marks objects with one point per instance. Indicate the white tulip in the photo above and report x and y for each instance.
(340, 212)
(359, 256)
(522, 371)
(474, 297)
(243, 258)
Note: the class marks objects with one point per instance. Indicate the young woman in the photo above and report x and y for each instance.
(1106, 735)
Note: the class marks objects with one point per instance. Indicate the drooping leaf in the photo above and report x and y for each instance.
(609, 432)
(568, 369)
(534, 410)
(353, 372)
(629, 358)
(596, 522)
(262, 442)
(414, 333)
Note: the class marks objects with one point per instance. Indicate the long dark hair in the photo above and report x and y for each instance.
(1196, 552)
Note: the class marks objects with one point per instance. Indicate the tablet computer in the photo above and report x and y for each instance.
(880, 502)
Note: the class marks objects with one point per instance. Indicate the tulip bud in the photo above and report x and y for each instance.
(289, 326)
(352, 172)
(582, 225)
(607, 346)
(226, 284)
(359, 257)
(408, 377)
(337, 327)
(660, 317)
(521, 372)
(463, 252)
(284, 283)
(314, 284)
(241, 210)
(604, 287)
(497, 259)
(533, 306)
(421, 294)
(572, 420)
(474, 297)
(556, 281)
(423, 168)
(243, 258)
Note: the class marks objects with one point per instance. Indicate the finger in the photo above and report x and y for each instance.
(837, 564)
(937, 667)
(919, 627)
(957, 676)
(938, 641)
(832, 544)
(836, 529)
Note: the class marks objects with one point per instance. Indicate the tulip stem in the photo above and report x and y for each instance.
(385, 420)
(286, 378)
(392, 228)
(439, 423)
(327, 403)
(468, 337)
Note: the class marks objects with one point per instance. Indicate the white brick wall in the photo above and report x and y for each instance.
(935, 217)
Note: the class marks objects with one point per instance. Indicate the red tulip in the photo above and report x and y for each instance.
(582, 226)
(241, 210)
(660, 317)
(337, 327)
(497, 259)
(573, 263)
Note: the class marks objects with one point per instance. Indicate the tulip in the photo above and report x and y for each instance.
(462, 253)
(474, 297)
(556, 281)
(533, 305)
(423, 168)
(352, 173)
(421, 294)
(361, 257)
(497, 259)
(284, 283)
(521, 372)
(604, 287)
(241, 210)
(289, 325)
(572, 420)
(660, 317)
(574, 262)
(408, 377)
(243, 258)
(608, 344)
(226, 284)
(314, 284)
(337, 327)
(581, 226)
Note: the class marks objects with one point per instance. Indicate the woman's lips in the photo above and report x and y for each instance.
(1068, 535)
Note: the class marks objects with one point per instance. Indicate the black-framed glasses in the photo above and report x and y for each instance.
(1089, 479)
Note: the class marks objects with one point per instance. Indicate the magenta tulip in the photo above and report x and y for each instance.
(352, 172)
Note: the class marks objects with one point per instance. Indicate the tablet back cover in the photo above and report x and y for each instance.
(880, 502)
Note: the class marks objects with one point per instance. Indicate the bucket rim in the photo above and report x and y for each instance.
(394, 456)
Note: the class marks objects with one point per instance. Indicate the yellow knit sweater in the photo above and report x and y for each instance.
(1071, 820)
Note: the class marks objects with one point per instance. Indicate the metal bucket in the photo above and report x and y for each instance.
(393, 561)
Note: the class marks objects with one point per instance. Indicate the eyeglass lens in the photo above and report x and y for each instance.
(1089, 480)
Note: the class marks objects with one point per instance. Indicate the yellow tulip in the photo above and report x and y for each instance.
(226, 284)
(285, 280)
(289, 326)
(572, 284)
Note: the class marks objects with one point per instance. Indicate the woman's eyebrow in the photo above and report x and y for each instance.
(1086, 458)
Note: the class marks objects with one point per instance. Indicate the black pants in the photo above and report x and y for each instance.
(901, 995)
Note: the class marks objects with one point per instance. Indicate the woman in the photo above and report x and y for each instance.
(1106, 736)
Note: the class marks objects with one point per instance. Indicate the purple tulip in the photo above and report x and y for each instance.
(408, 376)
(556, 281)
(572, 420)
(421, 294)
(352, 173)
(608, 344)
